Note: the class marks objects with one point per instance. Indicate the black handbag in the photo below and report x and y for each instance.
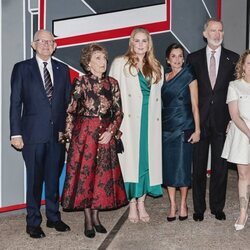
(119, 145)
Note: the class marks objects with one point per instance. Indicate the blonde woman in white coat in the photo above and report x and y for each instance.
(140, 77)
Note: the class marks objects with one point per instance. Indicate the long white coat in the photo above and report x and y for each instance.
(132, 105)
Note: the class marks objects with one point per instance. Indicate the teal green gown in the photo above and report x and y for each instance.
(136, 190)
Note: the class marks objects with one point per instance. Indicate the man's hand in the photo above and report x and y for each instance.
(17, 142)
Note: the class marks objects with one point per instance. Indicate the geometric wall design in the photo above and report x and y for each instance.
(76, 23)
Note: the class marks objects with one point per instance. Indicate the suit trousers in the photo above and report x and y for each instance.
(218, 178)
(44, 163)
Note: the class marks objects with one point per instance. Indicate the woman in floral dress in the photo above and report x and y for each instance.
(93, 177)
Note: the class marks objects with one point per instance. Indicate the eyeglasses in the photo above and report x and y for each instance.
(44, 42)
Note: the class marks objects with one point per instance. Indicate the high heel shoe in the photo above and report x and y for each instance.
(90, 233)
(100, 229)
(240, 226)
(170, 219)
(182, 218)
(133, 216)
(143, 215)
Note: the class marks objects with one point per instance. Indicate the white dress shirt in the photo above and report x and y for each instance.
(41, 67)
(216, 55)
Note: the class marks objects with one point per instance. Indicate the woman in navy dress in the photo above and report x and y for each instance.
(181, 128)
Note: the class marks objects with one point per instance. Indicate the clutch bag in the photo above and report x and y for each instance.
(119, 145)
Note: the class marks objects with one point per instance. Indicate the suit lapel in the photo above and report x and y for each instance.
(222, 66)
(37, 75)
(56, 76)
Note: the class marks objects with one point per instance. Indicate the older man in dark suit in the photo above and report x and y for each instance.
(214, 67)
(40, 89)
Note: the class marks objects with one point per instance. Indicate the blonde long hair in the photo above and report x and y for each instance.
(239, 72)
(151, 67)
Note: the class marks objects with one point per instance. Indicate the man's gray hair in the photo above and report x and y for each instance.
(38, 33)
(212, 20)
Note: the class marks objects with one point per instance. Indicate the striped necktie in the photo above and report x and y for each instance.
(47, 81)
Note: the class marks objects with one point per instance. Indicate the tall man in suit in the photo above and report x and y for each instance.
(214, 67)
(40, 89)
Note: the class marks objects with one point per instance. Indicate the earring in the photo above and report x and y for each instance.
(243, 74)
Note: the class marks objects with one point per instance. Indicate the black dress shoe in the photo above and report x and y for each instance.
(219, 215)
(198, 216)
(100, 229)
(35, 232)
(60, 226)
(170, 219)
(90, 233)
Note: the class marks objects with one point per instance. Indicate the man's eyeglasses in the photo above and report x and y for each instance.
(44, 42)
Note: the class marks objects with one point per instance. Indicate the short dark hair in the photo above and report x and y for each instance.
(88, 51)
(173, 46)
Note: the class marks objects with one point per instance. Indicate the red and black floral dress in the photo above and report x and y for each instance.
(93, 175)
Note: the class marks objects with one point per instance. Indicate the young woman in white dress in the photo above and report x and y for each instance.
(237, 144)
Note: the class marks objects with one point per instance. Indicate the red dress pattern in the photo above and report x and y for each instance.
(93, 174)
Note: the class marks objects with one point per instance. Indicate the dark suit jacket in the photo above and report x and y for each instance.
(212, 102)
(31, 114)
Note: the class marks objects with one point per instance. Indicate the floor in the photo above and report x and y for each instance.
(157, 234)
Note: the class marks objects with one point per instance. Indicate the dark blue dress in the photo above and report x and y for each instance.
(177, 117)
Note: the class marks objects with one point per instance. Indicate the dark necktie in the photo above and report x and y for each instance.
(212, 69)
(47, 81)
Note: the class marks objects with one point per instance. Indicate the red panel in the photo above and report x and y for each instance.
(73, 74)
(41, 14)
(15, 207)
(219, 4)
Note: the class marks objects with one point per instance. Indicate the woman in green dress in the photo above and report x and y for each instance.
(140, 77)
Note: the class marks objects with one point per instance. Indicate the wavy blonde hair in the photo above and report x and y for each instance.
(151, 67)
(239, 72)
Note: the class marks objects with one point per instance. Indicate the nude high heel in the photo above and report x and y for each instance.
(143, 215)
(133, 215)
(240, 226)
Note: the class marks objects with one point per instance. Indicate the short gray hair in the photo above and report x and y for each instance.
(40, 31)
(212, 20)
